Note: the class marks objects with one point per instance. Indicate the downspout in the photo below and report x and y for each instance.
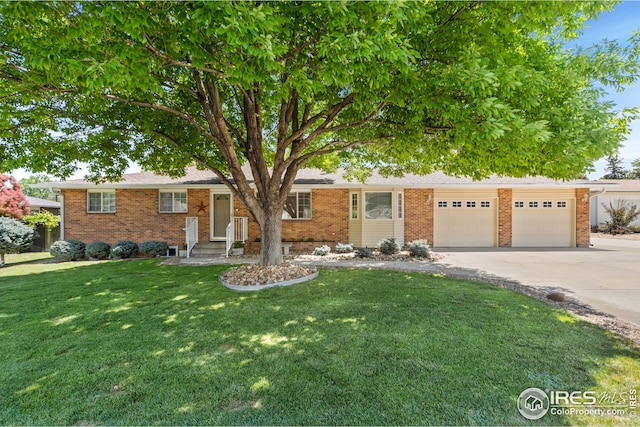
(596, 194)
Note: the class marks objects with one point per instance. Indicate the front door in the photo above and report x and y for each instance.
(220, 215)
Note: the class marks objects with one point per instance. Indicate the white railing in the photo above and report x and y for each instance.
(237, 231)
(229, 234)
(241, 228)
(191, 231)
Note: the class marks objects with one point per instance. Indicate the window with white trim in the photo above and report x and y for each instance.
(173, 201)
(547, 204)
(442, 204)
(101, 201)
(456, 204)
(518, 204)
(533, 204)
(471, 204)
(297, 205)
(378, 205)
(561, 204)
(355, 206)
(485, 204)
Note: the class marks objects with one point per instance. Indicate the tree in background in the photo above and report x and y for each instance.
(13, 202)
(635, 172)
(614, 168)
(15, 237)
(41, 193)
(469, 88)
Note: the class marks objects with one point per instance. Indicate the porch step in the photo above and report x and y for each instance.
(208, 249)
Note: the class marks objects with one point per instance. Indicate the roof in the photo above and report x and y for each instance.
(619, 184)
(43, 203)
(315, 177)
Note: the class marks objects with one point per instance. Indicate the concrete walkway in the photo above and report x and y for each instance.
(605, 276)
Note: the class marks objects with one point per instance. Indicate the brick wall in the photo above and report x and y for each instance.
(583, 226)
(137, 218)
(505, 206)
(418, 215)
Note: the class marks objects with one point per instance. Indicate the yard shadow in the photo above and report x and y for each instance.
(140, 343)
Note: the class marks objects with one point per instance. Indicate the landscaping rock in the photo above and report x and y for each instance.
(252, 275)
(556, 296)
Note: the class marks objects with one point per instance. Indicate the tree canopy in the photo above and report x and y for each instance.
(13, 202)
(469, 88)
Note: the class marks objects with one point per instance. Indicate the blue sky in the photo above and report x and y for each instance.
(615, 25)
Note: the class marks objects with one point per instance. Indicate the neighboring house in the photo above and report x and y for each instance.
(610, 191)
(38, 205)
(324, 207)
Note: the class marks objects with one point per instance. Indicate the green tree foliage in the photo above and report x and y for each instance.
(14, 237)
(469, 88)
(41, 193)
(635, 172)
(614, 168)
(44, 218)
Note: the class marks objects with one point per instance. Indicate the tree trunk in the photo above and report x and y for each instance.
(2, 259)
(270, 238)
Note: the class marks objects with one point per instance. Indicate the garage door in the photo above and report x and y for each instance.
(542, 223)
(464, 222)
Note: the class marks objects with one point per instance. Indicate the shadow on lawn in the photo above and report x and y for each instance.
(133, 342)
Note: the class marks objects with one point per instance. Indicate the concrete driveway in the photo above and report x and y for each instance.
(605, 276)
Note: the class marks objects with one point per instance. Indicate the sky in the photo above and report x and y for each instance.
(615, 25)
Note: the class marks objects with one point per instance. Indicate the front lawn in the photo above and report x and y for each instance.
(137, 343)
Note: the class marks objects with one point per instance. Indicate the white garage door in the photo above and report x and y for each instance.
(542, 223)
(464, 222)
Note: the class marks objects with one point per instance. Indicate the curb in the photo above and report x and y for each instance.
(270, 285)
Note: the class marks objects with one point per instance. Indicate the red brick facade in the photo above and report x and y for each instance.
(505, 206)
(137, 218)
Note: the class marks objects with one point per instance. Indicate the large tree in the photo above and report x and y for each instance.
(13, 202)
(469, 88)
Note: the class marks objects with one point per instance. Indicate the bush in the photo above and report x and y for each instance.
(322, 250)
(344, 248)
(364, 253)
(622, 214)
(14, 237)
(388, 246)
(97, 250)
(154, 248)
(124, 249)
(419, 248)
(69, 250)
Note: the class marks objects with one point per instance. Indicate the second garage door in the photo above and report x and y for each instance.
(542, 222)
(465, 221)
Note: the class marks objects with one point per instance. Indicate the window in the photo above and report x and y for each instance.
(442, 204)
(519, 204)
(377, 205)
(533, 204)
(297, 206)
(173, 201)
(561, 204)
(354, 205)
(102, 201)
(547, 204)
(471, 204)
(456, 204)
(485, 204)
(400, 206)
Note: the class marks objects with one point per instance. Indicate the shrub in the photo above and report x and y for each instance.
(622, 214)
(14, 237)
(388, 246)
(69, 250)
(154, 248)
(322, 250)
(98, 250)
(124, 249)
(419, 248)
(363, 252)
(344, 248)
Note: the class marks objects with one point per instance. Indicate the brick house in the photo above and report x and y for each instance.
(325, 208)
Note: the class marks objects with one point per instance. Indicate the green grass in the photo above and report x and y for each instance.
(137, 343)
